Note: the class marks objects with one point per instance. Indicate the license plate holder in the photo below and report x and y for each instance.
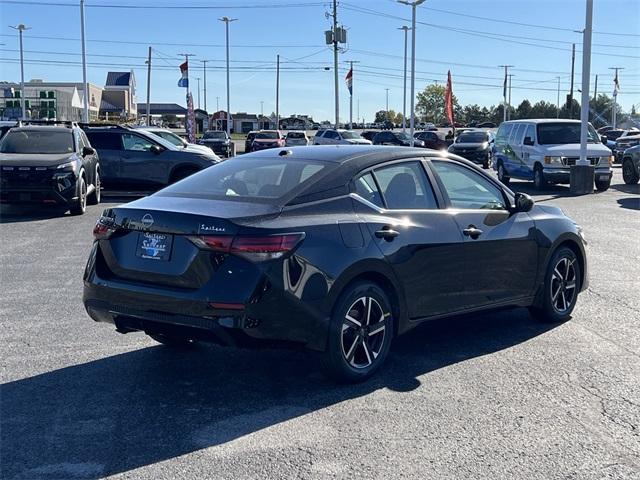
(154, 246)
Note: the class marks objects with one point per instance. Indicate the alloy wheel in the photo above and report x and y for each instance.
(563, 285)
(363, 332)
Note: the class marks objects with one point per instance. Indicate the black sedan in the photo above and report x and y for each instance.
(388, 137)
(336, 248)
(474, 145)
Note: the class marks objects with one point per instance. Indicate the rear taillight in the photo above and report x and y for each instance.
(103, 229)
(256, 248)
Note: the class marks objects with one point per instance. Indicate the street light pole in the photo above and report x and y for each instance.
(509, 110)
(198, 79)
(204, 67)
(504, 92)
(335, 62)
(21, 28)
(84, 65)
(413, 6)
(558, 101)
(404, 85)
(387, 105)
(226, 21)
(614, 113)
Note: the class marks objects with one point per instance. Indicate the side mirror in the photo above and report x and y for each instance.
(528, 141)
(155, 149)
(524, 203)
(87, 151)
(603, 139)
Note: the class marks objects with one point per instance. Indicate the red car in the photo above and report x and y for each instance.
(267, 139)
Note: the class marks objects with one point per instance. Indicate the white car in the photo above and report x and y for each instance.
(178, 141)
(296, 139)
(339, 137)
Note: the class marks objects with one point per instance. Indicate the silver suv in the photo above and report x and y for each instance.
(631, 165)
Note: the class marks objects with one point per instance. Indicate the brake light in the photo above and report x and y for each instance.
(103, 228)
(257, 248)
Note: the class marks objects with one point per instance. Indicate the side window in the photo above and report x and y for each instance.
(405, 186)
(79, 141)
(503, 133)
(308, 171)
(105, 140)
(366, 188)
(136, 143)
(330, 134)
(530, 132)
(516, 134)
(85, 140)
(467, 189)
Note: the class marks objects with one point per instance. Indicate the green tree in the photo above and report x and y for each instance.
(472, 113)
(601, 109)
(398, 118)
(543, 109)
(381, 116)
(430, 104)
(524, 109)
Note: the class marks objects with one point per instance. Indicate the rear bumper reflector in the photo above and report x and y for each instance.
(227, 306)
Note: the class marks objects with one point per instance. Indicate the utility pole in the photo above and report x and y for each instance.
(217, 104)
(21, 28)
(387, 105)
(204, 67)
(261, 108)
(582, 173)
(85, 113)
(358, 115)
(351, 98)
(186, 59)
(335, 62)
(149, 89)
(198, 79)
(278, 92)
(573, 64)
(614, 114)
(226, 21)
(595, 91)
(405, 29)
(413, 6)
(504, 91)
(509, 109)
(558, 101)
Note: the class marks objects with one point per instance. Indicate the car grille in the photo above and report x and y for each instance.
(25, 176)
(572, 160)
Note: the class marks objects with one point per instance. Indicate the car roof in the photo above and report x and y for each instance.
(44, 128)
(544, 120)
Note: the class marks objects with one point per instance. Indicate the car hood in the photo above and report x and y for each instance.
(573, 150)
(197, 148)
(33, 159)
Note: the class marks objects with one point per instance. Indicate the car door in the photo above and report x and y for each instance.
(140, 164)
(516, 166)
(108, 144)
(330, 137)
(500, 248)
(529, 151)
(418, 239)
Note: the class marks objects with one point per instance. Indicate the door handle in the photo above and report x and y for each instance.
(387, 233)
(472, 231)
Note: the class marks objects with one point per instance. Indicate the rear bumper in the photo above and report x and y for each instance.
(563, 175)
(219, 148)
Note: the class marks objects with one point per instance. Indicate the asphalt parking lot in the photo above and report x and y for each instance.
(490, 396)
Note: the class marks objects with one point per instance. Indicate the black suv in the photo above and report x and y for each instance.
(136, 158)
(219, 142)
(403, 139)
(49, 163)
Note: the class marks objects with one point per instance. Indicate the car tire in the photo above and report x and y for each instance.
(502, 174)
(560, 289)
(539, 182)
(79, 205)
(360, 333)
(603, 185)
(172, 341)
(94, 198)
(487, 163)
(630, 174)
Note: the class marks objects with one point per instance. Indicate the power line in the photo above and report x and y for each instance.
(169, 7)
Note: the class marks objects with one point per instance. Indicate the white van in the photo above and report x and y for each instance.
(543, 150)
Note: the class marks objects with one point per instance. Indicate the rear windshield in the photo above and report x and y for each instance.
(261, 180)
(295, 135)
(350, 135)
(37, 141)
(219, 135)
(560, 133)
(472, 137)
(267, 135)
(170, 137)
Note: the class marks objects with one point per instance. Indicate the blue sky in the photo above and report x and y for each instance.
(469, 37)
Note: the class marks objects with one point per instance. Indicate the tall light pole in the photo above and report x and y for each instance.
(226, 21)
(198, 80)
(387, 105)
(21, 28)
(509, 101)
(504, 91)
(614, 113)
(404, 85)
(558, 100)
(149, 89)
(335, 62)
(413, 5)
(85, 114)
(204, 67)
(261, 109)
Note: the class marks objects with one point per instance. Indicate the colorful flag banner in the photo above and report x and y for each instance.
(184, 79)
(349, 81)
(190, 121)
(616, 85)
(448, 99)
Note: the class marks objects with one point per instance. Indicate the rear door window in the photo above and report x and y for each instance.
(105, 140)
(530, 132)
(517, 134)
(136, 143)
(366, 188)
(405, 186)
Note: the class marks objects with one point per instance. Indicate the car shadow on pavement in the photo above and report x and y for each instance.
(632, 203)
(627, 188)
(142, 407)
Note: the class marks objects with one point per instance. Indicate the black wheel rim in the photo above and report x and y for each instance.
(563, 285)
(363, 332)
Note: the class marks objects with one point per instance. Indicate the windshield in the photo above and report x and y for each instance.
(267, 135)
(560, 133)
(262, 180)
(170, 137)
(350, 135)
(404, 136)
(215, 135)
(37, 141)
(295, 135)
(472, 137)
